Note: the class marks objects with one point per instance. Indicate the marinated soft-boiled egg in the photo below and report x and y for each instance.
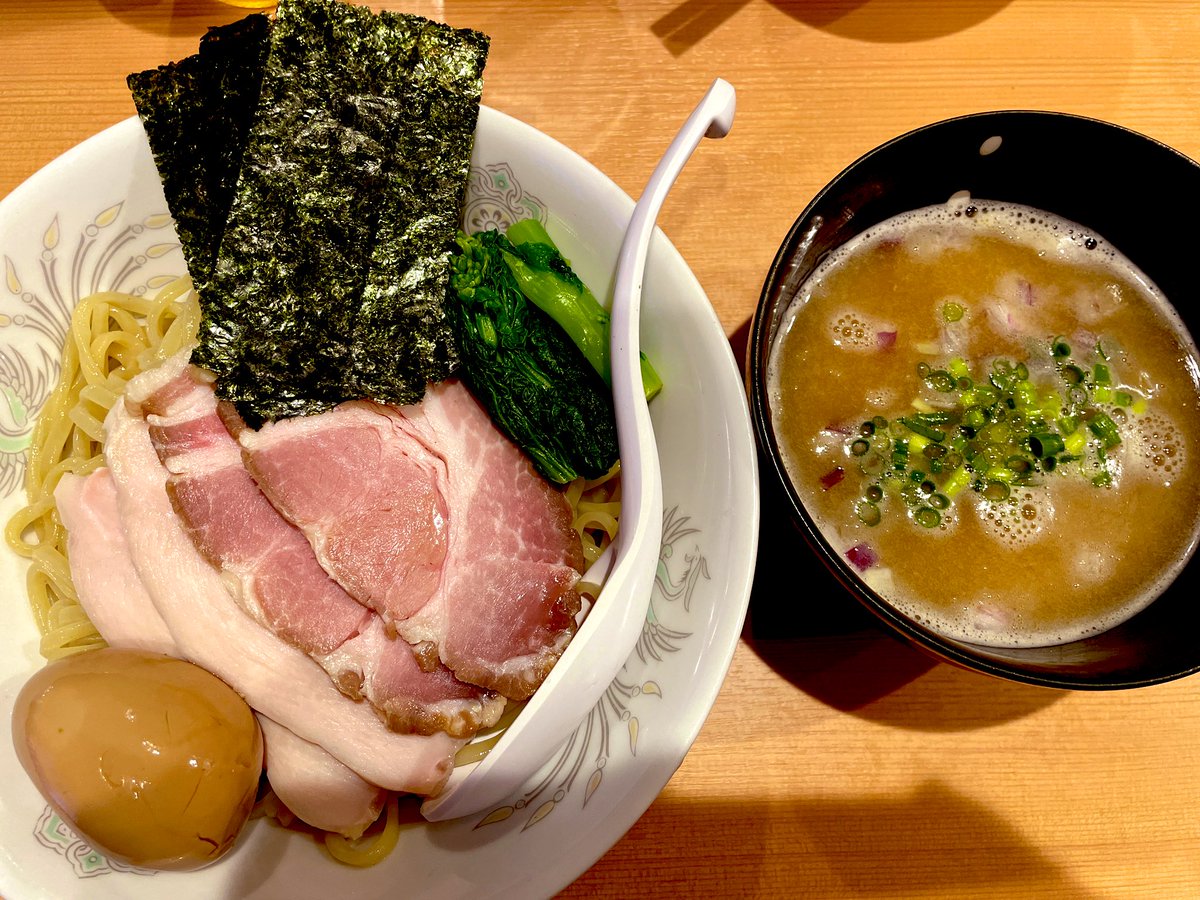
(153, 760)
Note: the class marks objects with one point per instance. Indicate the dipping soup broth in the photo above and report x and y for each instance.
(993, 415)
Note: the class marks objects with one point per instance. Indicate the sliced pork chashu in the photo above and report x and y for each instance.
(275, 575)
(432, 517)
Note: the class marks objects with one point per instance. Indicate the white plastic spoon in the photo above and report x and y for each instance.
(626, 570)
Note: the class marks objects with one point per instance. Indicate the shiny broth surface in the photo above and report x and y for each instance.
(975, 338)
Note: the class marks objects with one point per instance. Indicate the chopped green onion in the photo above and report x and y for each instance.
(1046, 444)
(959, 479)
(872, 464)
(974, 417)
(868, 513)
(941, 380)
(928, 517)
(1001, 378)
(1072, 374)
(1019, 465)
(992, 433)
(921, 426)
(951, 311)
(1105, 428)
(995, 491)
(1001, 474)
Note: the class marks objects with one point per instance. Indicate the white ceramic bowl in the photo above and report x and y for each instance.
(96, 218)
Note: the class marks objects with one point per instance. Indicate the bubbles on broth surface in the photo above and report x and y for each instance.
(853, 331)
(1021, 519)
(1156, 445)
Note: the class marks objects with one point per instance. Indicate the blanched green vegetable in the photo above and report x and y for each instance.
(548, 281)
(535, 383)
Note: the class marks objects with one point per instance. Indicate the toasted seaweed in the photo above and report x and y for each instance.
(196, 113)
(330, 279)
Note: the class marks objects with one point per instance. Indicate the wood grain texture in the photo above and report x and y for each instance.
(837, 762)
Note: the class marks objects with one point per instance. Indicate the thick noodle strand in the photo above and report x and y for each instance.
(112, 337)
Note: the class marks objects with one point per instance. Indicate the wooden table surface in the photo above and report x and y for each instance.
(837, 761)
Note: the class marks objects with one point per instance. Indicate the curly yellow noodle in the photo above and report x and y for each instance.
(368, 850)
(597, 506)
(111, 337)
(98, 395)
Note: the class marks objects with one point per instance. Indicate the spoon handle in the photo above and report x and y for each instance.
(611, 629)
(712, 117)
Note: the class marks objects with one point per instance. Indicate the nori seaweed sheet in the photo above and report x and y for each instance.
(196, 113)
(331, 276)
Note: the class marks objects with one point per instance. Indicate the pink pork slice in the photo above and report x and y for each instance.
(366, 482)
(317, 788)
(106, 581)
(278, 578)
(213, 631)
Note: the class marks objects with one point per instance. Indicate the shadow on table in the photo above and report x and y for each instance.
(805, 625)
(173, 18)
(874, 21)
(933, 842)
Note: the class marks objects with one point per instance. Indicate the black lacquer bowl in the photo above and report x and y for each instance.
(1129, 189)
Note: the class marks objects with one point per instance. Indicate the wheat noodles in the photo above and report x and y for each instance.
(112, 337)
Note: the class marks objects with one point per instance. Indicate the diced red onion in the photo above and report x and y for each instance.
(885, 340)
(862, 557)
(832, 477)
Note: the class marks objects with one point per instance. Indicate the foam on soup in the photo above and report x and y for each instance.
(993, 414)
